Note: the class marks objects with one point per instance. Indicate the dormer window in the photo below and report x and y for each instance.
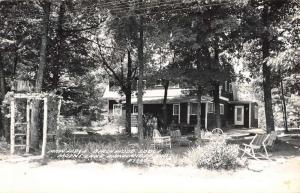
(117, 109)
(135, 84)
(174, 85)
(226, 86)
(158, 83)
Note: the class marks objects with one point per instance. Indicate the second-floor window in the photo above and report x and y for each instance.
(135, 84)
(135, 109)
(230, 88)
(117, 109)
(221, 109)
(211, 108)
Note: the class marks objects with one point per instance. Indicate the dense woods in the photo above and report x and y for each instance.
(70, 47)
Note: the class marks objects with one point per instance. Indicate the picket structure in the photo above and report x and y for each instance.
(30, 98)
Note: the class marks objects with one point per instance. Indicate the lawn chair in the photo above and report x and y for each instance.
(259, 142)
(176, 137)
(159, 140)
(271, 140)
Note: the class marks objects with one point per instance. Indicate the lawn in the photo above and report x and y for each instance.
(19, 174)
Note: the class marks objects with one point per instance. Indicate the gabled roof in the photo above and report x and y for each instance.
(152, 96)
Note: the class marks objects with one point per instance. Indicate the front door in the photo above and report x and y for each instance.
(239, 115)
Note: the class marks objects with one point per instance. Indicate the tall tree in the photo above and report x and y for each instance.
(261, 19)
(34, 134)
(140, 77)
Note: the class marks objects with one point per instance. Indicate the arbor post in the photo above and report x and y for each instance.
(45, 125)
(12, 125)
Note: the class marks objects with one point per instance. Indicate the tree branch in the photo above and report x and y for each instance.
(106, 65)
(82, 29)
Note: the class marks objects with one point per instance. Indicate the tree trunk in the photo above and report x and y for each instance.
(128, 112)
(34, 134)
(128, 94)
(217, 105)
(164, 108)
(16, 59)
(4, 121)
(197, 130)
(56, 62)
(2, 95)
(283, 106)
(267, 73)
(141, 77)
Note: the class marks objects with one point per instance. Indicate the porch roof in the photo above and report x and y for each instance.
(156, 96)
(241, 102)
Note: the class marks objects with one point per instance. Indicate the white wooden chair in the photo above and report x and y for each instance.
(260, 141)
(161, 141)
(176, 137)
(271, 140)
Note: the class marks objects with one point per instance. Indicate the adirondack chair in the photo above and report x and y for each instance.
(271, 140)
(259, 142)
(176, 137)
(159, 140)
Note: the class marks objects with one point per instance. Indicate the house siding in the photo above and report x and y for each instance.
(183, 112)
(227, 119)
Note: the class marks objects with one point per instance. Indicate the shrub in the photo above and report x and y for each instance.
(214, 155)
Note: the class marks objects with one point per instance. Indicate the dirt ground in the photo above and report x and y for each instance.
(281, 174)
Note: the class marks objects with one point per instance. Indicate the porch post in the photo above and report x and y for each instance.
(45, 127)
(108, 107)
(206, 109)
(250, 115)
(12, 125)
(188, 113)
(179, 113)
(27, 126)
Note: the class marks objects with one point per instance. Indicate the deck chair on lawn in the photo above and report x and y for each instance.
(259, 142)
(161, 141)
(176, 137)
(271, 140)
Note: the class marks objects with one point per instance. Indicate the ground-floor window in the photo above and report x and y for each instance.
(255, 112)
(193, 108)
(176, 109)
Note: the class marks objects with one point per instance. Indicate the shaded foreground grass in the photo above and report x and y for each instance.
(278, 175)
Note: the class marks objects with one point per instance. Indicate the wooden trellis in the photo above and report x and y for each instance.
(29, 98)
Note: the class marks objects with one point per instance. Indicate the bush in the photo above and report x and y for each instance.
(215, 155)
